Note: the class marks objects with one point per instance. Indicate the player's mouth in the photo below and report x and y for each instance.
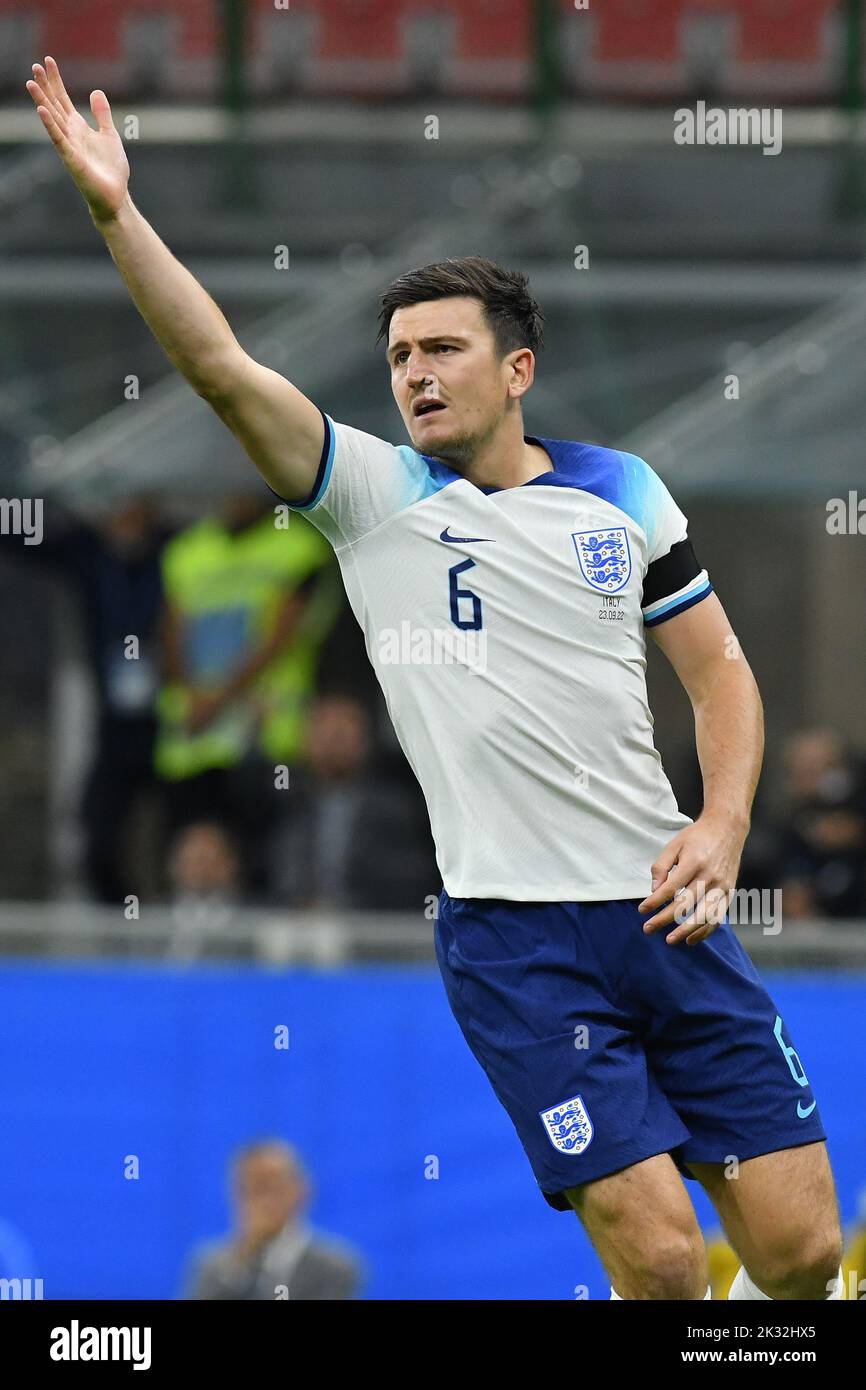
(425, 405)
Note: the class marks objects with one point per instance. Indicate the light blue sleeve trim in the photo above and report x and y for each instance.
(677, 605)
(323, 476)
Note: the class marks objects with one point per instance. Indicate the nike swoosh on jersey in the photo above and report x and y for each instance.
(463, 540)
(804, 1114)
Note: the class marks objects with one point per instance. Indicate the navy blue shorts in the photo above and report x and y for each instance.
(607, 1046)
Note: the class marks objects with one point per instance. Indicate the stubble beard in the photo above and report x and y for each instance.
(461, 449)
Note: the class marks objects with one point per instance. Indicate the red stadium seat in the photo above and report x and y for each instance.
(366, 46)
(94, 28)
(629, 48)
(358, 47)
(788, 31)
(489, 30)
(360, 29)
(630, 31)
(493, 47)
(196, 23)
(781, 48)
(88, 29)
(639, 47)
(475, 47)
(782, 31)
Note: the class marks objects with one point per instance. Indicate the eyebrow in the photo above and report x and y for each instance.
(426, 342)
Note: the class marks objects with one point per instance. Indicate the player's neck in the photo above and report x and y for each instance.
(508, 462)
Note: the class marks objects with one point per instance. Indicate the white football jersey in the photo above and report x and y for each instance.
(506, 628)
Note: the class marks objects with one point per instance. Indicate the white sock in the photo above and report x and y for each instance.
(743, 1288)
(614, 1294)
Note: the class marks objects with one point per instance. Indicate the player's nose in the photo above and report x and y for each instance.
(416, 370)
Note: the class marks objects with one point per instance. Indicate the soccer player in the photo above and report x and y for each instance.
(582, 932)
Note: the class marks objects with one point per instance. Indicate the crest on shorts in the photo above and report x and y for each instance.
(568, 1126)
(604, 557)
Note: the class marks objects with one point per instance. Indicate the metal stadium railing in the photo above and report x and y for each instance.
(281, 937)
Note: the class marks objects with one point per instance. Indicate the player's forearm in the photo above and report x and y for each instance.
(188, 325)
(729, 734)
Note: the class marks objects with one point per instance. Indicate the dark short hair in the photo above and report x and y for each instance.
(514, 317)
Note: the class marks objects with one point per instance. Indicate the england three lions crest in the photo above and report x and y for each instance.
(568, 1126)
(604, 558)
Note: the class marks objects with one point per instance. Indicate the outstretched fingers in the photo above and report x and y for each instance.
(60, 138)
(40, 90)
(57, 87)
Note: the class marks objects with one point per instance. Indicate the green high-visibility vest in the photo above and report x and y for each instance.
(226, 590)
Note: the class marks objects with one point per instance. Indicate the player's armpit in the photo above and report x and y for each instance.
(282, 432)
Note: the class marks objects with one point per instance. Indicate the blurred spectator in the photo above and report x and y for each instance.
(114, 566)
(274, 1253)
(820, 768)
(824, 831)
(206, 882)
(204, 863)
(352, 836)
(248, 606)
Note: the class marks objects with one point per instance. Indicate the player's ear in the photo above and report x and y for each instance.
(521, 370)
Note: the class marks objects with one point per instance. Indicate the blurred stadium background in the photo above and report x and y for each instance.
(159, 927)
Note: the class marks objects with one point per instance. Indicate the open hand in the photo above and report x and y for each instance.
(96, 159)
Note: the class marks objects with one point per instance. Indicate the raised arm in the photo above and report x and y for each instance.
(280, 429)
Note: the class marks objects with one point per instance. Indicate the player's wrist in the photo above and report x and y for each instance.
(734, 818)
(106, 218)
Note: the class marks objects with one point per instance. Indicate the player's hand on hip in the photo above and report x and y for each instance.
(693, 879)
(96, 159)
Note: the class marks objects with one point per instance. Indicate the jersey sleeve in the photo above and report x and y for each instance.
(674, 579)
(361, 482)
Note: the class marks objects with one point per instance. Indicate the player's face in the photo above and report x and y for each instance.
(449, 383)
